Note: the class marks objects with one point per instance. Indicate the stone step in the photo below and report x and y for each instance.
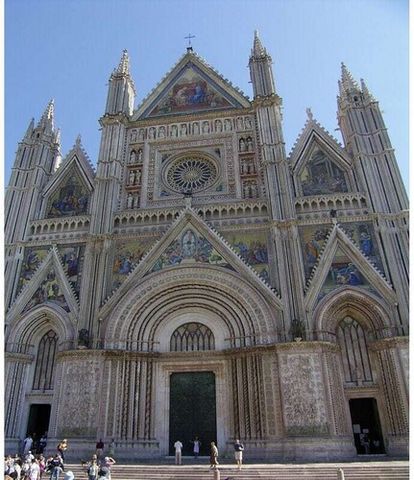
(395, 470)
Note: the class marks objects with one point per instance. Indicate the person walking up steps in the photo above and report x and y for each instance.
(178, 447)
(238, 453)
(213, 455)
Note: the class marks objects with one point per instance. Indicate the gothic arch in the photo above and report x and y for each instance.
(143, 314)
(31, 328)
(372, 314)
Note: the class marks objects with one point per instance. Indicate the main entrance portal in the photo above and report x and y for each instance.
(192, 410)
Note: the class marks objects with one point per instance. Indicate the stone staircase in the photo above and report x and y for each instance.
(375, 470)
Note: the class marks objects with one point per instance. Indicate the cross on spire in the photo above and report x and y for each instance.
(189, 37)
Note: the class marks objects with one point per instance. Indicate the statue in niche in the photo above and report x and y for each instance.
(249, 144)
(161, 132)
(152, 133)
(227, 125)
(132, 177)
(83, 338)
(141, 134)
(248, 123)
(196, 129)
(133, 136)
(174, 131)
(138, 177)
(242, 145)
(140, 155)
(136, 201)
(206, 127)
(240, 125)
(243, 167)
(132, 157)
(130, 201)
(183, 130)
(219, 126)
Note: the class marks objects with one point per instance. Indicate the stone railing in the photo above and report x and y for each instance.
(57, 227)
(347, 204)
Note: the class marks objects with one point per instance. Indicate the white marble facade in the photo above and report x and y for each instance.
(286, 275)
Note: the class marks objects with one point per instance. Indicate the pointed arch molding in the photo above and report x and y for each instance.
(39, 321)
(141, 313)
(369, 311)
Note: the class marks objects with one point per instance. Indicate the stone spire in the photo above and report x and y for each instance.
(123, 67)
(347, 82)
(258, 50)
(30, 129)
(47, 119)
(365, 92)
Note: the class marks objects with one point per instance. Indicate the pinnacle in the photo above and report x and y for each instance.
(48, 115)
(123, 66)
(258, 49)
(347, 80)
(365, 91)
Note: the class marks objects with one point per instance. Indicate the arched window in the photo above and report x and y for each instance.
(192, 337)
(355, 357)
(45, 362)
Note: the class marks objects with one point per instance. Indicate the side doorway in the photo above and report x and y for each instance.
(366, 426)
(38, 421)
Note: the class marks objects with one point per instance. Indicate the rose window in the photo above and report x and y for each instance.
(191, 174)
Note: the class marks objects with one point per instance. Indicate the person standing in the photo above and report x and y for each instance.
(112, 448)
(107, 463)
(43, 443)
(92, 469)
(178, 447)
(62, 447)
(34, 471)
(196, 447)
(27, 444)
(99, 448)
(238, 453)
(213, 455)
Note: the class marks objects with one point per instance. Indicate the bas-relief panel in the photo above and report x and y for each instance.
(314, 237)
(189, 247)
(191, 92)
(252, 247)
(71, 198)
(302, 387)
(322, 176)
(128, 254)
(78, 402)
(49, 291)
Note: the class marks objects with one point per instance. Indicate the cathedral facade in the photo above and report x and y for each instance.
(203, 282)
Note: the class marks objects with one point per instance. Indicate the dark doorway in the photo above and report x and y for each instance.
(192, 410)
(366, 426)
(38, 423)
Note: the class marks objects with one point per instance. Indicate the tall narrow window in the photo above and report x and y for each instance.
(355, 357)
(192, 337)
(45, 362)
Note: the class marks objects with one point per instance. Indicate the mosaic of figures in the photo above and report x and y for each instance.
(128, 254)
(49, 291)
(322, 176)
(191, 92)
(187, 129)
(314, 237)
(71, 198)
(72, 257)
(252, 247)
(189, 247)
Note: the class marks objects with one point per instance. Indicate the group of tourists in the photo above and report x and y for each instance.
(214, 453)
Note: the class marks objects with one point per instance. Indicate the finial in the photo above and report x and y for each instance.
(123, 66)
(48, 114)
(29, 129)
(309, 113)
(189, 37)
(78, 140)
(57, 136)
(367, 94)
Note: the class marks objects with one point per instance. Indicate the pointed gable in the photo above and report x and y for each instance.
(191, 86)
(68, 191)
(320, 164)
(341, 264)
(191, 242)
(49, 284)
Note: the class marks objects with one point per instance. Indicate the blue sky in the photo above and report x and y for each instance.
(66, 50)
